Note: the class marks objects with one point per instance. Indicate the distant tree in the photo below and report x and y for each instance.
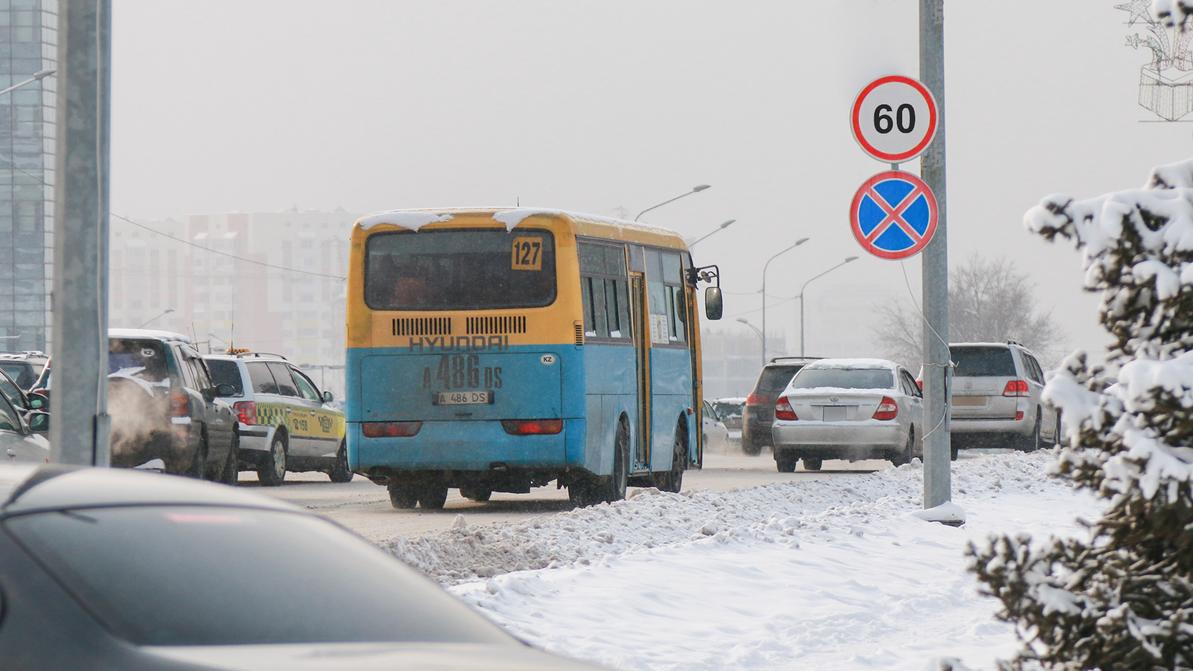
(990, 300)
(1123, 597)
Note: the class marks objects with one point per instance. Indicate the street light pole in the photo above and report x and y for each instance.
(764, 268)
(168, 311)
(695, 189)
(761, 336)
(35, 78)
(801, 299)
(714, 231)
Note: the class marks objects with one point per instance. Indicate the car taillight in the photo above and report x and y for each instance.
(1015, 388)
(1018, 415)
(532, 427)
(755, 399)
(180, 404)
(887, 409)
(784, 411)
(920, 383)
(246, 412)
(390, 429)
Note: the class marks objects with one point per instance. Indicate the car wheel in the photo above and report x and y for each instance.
(785, 462)
(272, 470)
(478, 494)
(198, 466)
(1056, 434)
(954, 453)
(750, 448)
(672, 480)
(1032, 442)
(432, 496)
(340, 472)
(908, 452)
(813, 463)
(402, 495)
(230, 473)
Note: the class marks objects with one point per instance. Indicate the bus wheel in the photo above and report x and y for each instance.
(614, 487)
(672, 480)
(432, 495)
(402, 495)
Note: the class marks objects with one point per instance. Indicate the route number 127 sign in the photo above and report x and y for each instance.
(894, 118)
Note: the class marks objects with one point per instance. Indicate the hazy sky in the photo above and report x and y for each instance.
(593, 106)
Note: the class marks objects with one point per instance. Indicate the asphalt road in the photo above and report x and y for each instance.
(364, 507)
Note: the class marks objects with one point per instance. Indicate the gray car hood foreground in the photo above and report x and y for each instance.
(367, 657)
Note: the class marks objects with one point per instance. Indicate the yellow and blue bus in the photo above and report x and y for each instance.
(500, 350)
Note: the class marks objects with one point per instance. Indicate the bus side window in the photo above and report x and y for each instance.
(617, 309)
(672, 277)
(595, 319)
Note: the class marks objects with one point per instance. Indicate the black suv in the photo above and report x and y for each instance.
(163, 406)
(759, 412)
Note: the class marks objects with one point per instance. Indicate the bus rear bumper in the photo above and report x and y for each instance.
(478, 446)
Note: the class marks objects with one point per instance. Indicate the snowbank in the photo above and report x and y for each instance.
(653, 519)
(826, 574)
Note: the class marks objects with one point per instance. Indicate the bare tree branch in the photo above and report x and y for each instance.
(990, 300)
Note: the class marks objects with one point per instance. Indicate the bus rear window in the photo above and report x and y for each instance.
(460, 270)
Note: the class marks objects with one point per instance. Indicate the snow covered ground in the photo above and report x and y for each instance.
(825, 574)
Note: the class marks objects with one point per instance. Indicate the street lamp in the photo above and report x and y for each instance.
(801, 299)
(742, 320)
(35, 78)
(695, 189)
(714, 231)
(167, 311)
(764, 267)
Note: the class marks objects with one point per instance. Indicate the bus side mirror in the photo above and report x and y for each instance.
(713, 305)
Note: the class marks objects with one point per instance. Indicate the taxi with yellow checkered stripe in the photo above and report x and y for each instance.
(285, 423)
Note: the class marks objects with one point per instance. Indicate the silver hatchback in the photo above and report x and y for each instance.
(997, 398)
(848, 409)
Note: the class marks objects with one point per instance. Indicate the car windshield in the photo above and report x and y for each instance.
(23, 373)
(175, 576)
(774, 379)
(460, 270)
(982, 362)
(10, 391)
(226, 372)
(145, 359)
(844, 378)
(727, 408)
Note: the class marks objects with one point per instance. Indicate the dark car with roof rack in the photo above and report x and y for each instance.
(759, 411)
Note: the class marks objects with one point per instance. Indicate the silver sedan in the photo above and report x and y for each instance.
(848, 409)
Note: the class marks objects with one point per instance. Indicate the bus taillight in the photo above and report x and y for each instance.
(390, 429)
(532, 427)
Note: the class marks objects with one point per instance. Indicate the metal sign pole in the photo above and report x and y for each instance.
(937, 372)
(79, 425)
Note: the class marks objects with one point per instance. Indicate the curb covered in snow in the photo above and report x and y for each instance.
(652, 519)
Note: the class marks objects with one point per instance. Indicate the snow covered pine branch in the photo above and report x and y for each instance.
(1124, 598)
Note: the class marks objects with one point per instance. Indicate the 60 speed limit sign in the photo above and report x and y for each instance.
(894, 118)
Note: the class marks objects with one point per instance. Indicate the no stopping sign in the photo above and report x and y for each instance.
(894, 118)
